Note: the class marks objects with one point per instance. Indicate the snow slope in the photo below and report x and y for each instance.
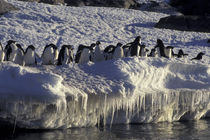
(128, 90)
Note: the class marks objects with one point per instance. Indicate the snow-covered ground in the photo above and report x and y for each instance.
(128, 90)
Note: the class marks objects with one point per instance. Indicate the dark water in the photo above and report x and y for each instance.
(160, 131)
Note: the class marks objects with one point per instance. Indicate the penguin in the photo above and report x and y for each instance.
(19, 59)
(11, 52)
(199, 56)
(98, 53)
(108, 52)
(153, 53)
(181, 53)
(85, 56)
(118, 52)
(168, 51)
(160, 48)
(30, 56)
(65, 55)
(2, 54)
(50, 55)
(135, 47)
(81, 48)
(143, 51)
(8, 49)
(126, 49)
(208, 41)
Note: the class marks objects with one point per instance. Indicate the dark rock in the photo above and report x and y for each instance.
(100, 3)
(185, 23)
(103, 3)
(54, 2)
(6, 7)
(192, 7)
(159, 7)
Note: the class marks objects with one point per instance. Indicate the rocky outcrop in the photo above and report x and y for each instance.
(54, 2)
(6, 7)
(102, 3)
(192, 7)
(159, 7)
(185, 23)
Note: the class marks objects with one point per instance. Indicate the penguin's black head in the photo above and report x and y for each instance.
(92, 46)
(53, 46)
(1, 46)
(143, 46)
(20, 47)
(201, 54)
(98, 42)
(119, 44)
(31, 47)
(9, 42)
(137, 40)
(170, 47)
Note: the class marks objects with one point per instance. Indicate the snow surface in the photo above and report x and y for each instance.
(127, 90)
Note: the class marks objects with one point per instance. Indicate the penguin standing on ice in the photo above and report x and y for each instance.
(153, 53)
(199, 56)
(108, 52)
(8, 49)
(118, 52)
(19, 59)
(30, 56)
(143, 51)
(181, 54)
(2, 54)
(126, 49)
(98, 53)
(11, 52)
(65, 55)
(169, 51)
(86, 54)
(160, 48)
(50, 55)
(135, 47)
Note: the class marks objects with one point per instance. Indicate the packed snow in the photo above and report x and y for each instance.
(124, 90)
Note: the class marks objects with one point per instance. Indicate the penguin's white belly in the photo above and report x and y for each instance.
(84, 58)
(158, 52)
(66, 57)
(98, 55)
(55, 57)
(29, 58)
(2, 55)
(48, 56)
(167, 52)
(19, 59)
(118, 53)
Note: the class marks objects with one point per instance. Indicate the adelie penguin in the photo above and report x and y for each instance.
(199, 56)
(80, 50)
(143, 51)
(181, 54)
(135, 47)
(8, 49)
(98, 53)
(50, 55)
(30, 56)
(118, 52)
(153, 53)
(160, 48)
(108, 52)
(19, 59)
(2, 54)
(65, 55)
(168, 51)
